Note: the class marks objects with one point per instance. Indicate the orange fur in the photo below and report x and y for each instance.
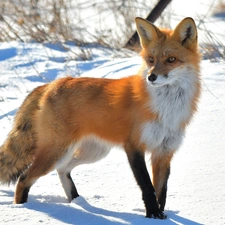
(93, 106)
(160, 169)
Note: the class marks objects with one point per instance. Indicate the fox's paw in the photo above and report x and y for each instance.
(157, 215)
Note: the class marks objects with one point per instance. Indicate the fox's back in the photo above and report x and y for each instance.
(109, 108)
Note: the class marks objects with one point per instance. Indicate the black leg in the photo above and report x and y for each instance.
(21, 195)
(73, 190)
(68, 185)
(162, 197)
(138, 166)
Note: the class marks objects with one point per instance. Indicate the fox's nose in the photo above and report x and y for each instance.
(152, 77)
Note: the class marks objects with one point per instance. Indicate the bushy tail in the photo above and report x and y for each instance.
(12, 165)
(17, 152)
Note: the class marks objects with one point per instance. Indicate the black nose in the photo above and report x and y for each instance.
(152, 77)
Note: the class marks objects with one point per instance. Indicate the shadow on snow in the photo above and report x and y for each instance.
(84, 213)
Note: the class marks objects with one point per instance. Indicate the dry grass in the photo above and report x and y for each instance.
(69, 20)
(58, 21)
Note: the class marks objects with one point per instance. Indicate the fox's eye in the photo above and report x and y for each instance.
(151, 59)
(171, 59)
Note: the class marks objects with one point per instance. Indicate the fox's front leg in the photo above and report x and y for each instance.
(161, 172)
(137, 162)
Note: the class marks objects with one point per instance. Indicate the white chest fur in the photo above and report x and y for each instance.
(172, 102)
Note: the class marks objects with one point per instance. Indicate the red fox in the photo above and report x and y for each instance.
(72, 121)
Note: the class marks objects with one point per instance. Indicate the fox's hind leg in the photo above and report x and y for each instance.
(41, 166)
(161, 172)
(68, 185)
(66, 180)
(88, 151)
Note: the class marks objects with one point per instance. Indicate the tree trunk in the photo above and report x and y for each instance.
(152, 17)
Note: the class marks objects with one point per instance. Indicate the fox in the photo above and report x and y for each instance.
(73, 121)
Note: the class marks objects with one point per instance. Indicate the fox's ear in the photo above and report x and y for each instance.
(147, 31)
(186, 33)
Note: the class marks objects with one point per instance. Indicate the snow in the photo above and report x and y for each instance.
(109, 193)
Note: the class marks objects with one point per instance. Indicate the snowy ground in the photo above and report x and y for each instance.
(109, 194)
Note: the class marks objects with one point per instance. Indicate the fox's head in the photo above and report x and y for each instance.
(168, 53)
